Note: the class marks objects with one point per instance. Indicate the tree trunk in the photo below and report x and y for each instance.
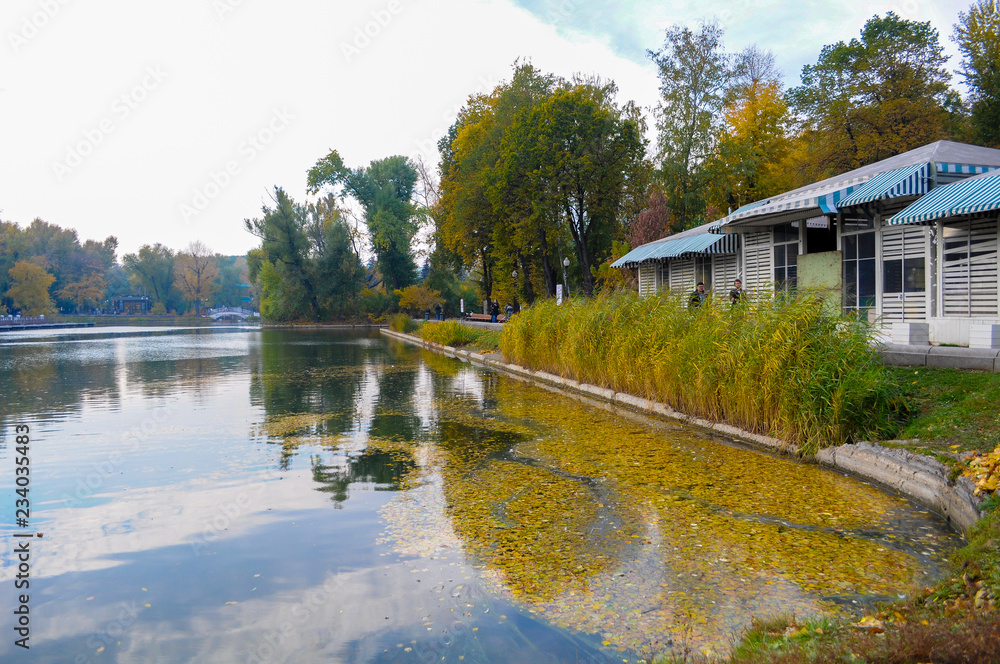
(529, 290)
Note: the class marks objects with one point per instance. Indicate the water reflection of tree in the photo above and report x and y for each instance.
(383, 470)
(309, 372)
(51, 376)
(354, 389)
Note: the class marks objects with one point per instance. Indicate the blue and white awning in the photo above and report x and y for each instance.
(907, 181)
(977, 194)
(824, 196)
(703, 243)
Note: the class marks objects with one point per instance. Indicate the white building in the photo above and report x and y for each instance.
(910, 241)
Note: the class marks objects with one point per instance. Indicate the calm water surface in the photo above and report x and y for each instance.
(236, 495)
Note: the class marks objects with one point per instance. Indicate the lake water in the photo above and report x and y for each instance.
(238, 495)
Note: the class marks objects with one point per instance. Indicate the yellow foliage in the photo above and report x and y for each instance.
(984, 470)
(418, 298)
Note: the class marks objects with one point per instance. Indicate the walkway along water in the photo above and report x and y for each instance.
(923, 479)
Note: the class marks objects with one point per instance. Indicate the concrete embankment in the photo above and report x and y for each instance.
(920, 478)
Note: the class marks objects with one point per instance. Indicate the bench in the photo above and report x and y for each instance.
(484, 318)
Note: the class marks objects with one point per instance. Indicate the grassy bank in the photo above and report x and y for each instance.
(448, 333)
(777, 367)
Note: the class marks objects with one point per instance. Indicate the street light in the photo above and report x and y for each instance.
(565, 279)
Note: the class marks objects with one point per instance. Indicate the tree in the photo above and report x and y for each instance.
(89, 290)
(152, 270)
(285, 246)
(465, 213)
(653, 222)
(590, 163)
(385, 190)
(418, 298)
(306, 266)
(29, 289)
(754, 137)
(196, 274)
(875, 97)
(693, 72)
(977, 34)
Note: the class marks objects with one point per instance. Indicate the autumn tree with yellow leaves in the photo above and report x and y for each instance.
(196, 274)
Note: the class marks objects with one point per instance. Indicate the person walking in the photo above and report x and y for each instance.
(508, 311)
(698, 297)
(495, 310)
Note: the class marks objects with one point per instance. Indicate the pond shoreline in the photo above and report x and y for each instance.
(920, 478)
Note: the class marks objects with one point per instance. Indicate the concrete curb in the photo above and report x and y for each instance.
(920, 478)
(946, 357)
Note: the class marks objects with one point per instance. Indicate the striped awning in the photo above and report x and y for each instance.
(704, 243)
(824, 196)
(907, 181)
(977, 194)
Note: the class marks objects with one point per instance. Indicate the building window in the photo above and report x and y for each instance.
(903, 275)
(786, 253)
(859, 270)
(703, 271)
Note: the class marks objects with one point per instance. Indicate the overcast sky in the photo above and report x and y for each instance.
(172, 121)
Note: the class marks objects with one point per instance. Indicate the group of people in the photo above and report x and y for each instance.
(699, 295)
(495, 310)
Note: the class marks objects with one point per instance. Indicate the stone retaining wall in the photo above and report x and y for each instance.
(920, 478)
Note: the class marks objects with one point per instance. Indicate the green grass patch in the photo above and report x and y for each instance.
(778, 366)
(953, 410)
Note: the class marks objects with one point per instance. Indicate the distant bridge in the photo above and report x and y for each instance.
(230, 312)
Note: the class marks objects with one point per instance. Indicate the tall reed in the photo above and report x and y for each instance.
(449, 333)
(774, 365)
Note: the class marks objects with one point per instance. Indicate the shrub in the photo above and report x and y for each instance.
(776, 366)
(402, 323)
(450, 333)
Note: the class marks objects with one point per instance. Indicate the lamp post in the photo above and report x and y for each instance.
(565, 279)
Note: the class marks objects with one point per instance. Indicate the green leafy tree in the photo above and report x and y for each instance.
(977, 34)
(285, 248)
(384, 190)
(693, 71)
(152, 270)
(29, 289)
(465, 214)
(876, 96)
(589, 161)
(306, 266)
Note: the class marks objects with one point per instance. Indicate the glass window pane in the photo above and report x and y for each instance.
(914, 275)
(851, 284)
(866, 245)
(866, 278)
(791, 258)
(892, 276)
(779, 256)
(850, 247)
